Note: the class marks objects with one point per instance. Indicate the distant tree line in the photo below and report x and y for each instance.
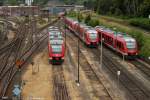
(120, 7)
(71, 2)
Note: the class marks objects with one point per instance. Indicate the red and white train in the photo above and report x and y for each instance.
(118, 41)
(86, 33)
(56, 46)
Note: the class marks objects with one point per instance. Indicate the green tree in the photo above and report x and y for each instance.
(12, 2)
(93, 22)
(145, 8)
(87, 18)
(80, 17)
(120, 7)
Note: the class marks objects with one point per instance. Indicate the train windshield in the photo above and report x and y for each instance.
(56, 49)
(93, 36)
(56, 42)
(55, 33)
(131, 45)
(51, 37)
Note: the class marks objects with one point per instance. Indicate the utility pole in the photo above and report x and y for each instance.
(65, 36)
(78, 61)
(78, 81)
(101, 57)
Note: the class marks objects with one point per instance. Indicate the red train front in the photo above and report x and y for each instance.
(118, 41)
(56, 47)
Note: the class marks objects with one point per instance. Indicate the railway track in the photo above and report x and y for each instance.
(145, 69)
(99, 90)
(138, 92)
(20, 30)
(9, 67)
(134, 87)
(59, 85)
(10, 71)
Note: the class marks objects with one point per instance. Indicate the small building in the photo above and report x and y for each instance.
(19, 10)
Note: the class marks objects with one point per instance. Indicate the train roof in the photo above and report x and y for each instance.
(129, 39)
(87, 28)
(56, 37)
(52, 28)
(100, 27)
(55, 32)
(104, 29)
(119, 35)
(91, 31)
(56, 42)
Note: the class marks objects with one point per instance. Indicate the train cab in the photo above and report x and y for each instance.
(92, 38)
(131, 46)
(56, 47)
(118, 41)
(56, 51)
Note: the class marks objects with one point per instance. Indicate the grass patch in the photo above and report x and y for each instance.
(140, 22)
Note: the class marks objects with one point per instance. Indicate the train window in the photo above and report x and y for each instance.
(111, 41)
(119, 44)
(93, 36)
(51, 37)
(56, 49)
(130, 45)
(55, 33)
(56, 42)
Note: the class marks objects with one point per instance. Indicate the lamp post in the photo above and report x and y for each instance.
(123, 57)
(65, 35)
(118, 76)
(78, 80)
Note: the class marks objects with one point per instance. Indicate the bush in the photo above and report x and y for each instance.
(118, 11)
(80, 17)
(141, 22)
(145, 51)
(93, 22)
(87, 19)
(72, 14)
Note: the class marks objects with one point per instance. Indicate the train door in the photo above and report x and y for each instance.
(120, 46)
(83, 36)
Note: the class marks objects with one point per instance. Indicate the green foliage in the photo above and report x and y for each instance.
(141, 22)
(145, 8)
(80, 17)
(87, 18)
(145, 51)
(73, 1)
(93, 22)
(118, 12)
(120, 7)
(12, 2)
(72, 14)
(40, 2)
